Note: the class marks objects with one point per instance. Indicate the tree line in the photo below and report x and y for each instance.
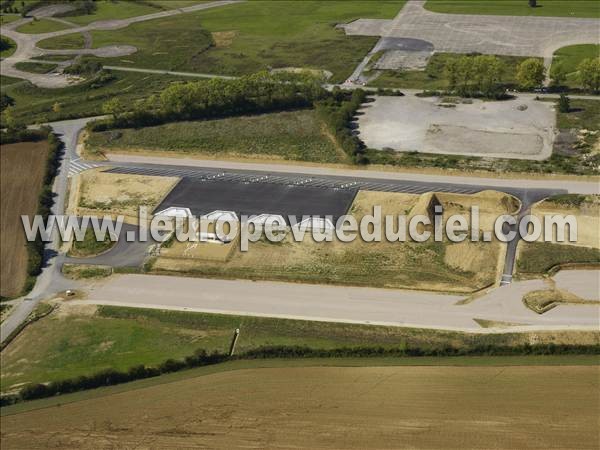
(258, 93)
(201, 357)
(481, 75)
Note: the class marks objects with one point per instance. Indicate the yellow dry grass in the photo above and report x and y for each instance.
(22, 170)
(121, 194)
(587, 215)
(223, 39)
(445, 266)
(332, 407)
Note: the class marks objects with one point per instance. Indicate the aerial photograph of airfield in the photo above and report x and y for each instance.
(212, 157)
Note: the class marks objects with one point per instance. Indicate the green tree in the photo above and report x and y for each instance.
(487, 73)
(564, 104)
(531, 73)
(558, 74)
(589, 73)
(452, 73)
(113, 107)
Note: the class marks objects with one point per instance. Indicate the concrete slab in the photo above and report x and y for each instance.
(520, 129)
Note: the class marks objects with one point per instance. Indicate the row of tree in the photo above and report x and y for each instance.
(200, 358)
(475, 75)
(257, 93)
(482, 75)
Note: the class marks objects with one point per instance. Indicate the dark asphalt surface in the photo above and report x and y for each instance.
(247, 198)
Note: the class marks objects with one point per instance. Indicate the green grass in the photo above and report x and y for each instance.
(120, 9)
(9, 46)
(570, 57)
(90, 246)
(35, 67)
(7, 81)
(59, 346)
(555, 8)
(267, 34)
(55, 58)
(539, 257)
(8, 18)
(66, 42)
(33, 104)
(434, 76)
(584, 114)
(42, 26)
(289, 135)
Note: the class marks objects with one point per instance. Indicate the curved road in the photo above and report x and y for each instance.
(27, 43)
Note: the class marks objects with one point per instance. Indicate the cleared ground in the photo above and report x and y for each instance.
(437, 266)
(113, 194)
(586, 210)
(297, 135)
(333, 407)
(23, 168)
(520, 129)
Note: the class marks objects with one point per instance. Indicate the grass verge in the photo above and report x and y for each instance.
(555, 8)
(80, 340)
(539, 258)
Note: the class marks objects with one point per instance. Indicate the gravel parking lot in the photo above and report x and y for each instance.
(522, 129)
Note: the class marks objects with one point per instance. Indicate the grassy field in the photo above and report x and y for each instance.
(556, 8)
(83, 339)
(333, 407)
(35, 104)
(435, 266)
(8, 18)
(22, 168)
(35, 67)
(288, 135)
(42, 26)
(68, 41)
(90, 246)
(250, 37)
(538, 258)
(570, 57)
(434, 76)
(544, 300)
(584, 114)
(8, 47)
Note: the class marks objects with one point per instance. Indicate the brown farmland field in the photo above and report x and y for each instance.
(332, 407)
(22, 169)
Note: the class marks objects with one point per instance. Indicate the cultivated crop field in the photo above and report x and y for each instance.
(296, 135)
(332, 407)
(22, 168)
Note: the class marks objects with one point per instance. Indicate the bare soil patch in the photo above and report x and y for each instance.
(22, 170)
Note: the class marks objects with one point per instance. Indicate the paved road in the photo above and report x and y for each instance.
(493, 35)
(340, 304)
(51, 280)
